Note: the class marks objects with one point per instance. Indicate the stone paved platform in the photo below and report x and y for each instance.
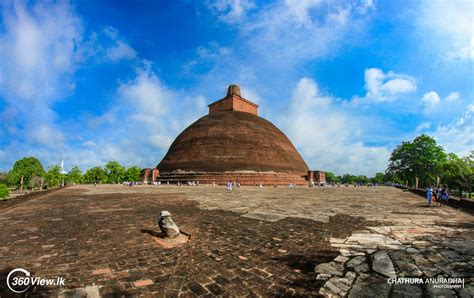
(244, 242)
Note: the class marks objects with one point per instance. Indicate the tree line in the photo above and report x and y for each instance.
(379, 178)
(30, 173)
(424, 160)
(421, 160)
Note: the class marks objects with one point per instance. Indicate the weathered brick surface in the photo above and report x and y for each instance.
(246, 242)
(232, 141)
(105, 240)
(233, 103)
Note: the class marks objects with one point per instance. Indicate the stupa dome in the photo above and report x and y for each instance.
(233, 142)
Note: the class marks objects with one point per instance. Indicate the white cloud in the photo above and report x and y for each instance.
(283, 34)
(382, 86)
(251, 95)
(300, 9)
(365, 5)
(423, 126)
(119, 49)
(467, 52)
(38, 52)
(328, 136)
(306, 95)
(212, 50)
(46, 135)
(147, 116)
(450, 27)
(452, 97)
(89, 143)
(41, 48)
(146, 96)
(161, 141)
(98, 121)
(458, 136)
(430, 100)
(230, 11)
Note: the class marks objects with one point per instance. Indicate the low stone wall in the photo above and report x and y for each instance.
(9, 203)
(267, 179)
(465, 204)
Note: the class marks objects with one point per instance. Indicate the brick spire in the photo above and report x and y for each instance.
(233, 90)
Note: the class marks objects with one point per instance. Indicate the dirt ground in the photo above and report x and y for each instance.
(244, 242)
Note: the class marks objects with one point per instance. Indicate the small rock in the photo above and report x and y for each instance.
(370, 286)
(343, 284)
(243, 258)
(350, 276)
(323, 276)
(356, 261)
(168, 228)
(456, 269)
(331, 268)
(411, 250)
(408, 269)
(452, 256)
(341, 259)
(332, 287)
(348, 252)
(382, 264)
(362, 268)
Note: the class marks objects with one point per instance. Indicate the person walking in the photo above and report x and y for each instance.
(429, 195)
(445, 195)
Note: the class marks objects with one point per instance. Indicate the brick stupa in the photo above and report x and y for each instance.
(233, 143)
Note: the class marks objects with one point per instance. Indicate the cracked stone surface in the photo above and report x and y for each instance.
(249, 242)
(383, 265)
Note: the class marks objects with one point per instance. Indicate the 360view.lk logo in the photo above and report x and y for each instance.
(19, 280)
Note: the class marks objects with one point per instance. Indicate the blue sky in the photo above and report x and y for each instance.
(91, 81)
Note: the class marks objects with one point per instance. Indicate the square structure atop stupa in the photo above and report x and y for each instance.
(233, 102)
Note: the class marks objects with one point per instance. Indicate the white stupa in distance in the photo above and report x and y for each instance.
(62, 168)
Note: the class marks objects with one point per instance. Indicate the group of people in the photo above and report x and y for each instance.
(231, 184)
(439, 195)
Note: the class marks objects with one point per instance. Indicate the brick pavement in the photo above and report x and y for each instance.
(253, 242)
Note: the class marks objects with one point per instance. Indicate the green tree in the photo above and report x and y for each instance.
(469, 160)
(54, 176)
(133, 174)
(422, 158)
(27, 168)
(36, 182)
(348, 178)
(3, 177)
(330, 177)
(115, 172)
(74, 175)
(379, 178)
(3, 191)
(457, 173)
(95, 174)
(362, 179)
